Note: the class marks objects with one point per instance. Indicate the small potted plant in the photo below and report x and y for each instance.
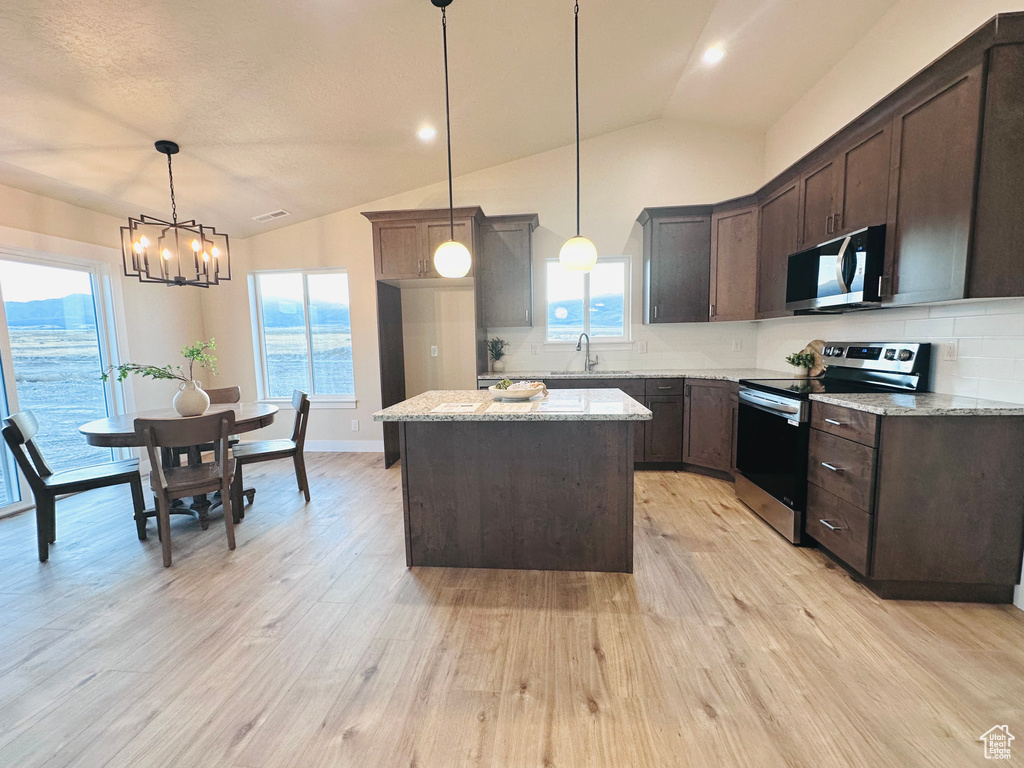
(802, 361)
(190, 400)
(496, 349)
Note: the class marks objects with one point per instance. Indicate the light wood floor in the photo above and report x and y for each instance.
(312, 645)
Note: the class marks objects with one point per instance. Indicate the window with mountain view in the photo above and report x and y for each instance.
(55, 354)
(305, 333)
(594, 302)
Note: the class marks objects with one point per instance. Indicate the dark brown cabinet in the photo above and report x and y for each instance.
(820, 190)
(934, 512)
(663, 436)
(677, 264)
(404, 241)
(708, 424)
(935, 155)
(505, 272)
(734, 263)
(864, 185)
(780, 219)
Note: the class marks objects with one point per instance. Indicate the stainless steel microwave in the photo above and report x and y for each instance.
(839, 275)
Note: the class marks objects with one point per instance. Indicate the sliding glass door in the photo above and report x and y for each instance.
(56, 351)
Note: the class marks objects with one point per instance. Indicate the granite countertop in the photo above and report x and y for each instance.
(559, 405)
(717, 374)
(923, 404)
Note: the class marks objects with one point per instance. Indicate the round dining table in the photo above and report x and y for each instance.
(119, 432)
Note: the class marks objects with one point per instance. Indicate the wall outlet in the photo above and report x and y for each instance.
(641, 347)
(533, 349)
(737, 345)
(433, 351)
(355, 425)
(951, 350)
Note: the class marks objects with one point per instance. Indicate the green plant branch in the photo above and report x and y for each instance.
(196, 354)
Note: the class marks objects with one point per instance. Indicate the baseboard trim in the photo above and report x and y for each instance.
(345, 446)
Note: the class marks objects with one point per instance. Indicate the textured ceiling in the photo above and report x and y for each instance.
(313, 105)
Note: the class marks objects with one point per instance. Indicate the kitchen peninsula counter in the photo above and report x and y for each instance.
(547, 485)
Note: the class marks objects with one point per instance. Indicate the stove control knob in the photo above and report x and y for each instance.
(827, 351)
(890, 354)
(837, 351)
(905, 355)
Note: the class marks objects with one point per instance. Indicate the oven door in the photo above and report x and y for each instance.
(771, 455)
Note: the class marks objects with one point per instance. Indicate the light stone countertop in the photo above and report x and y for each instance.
(559, 405)
(922, 404)
(716, 374)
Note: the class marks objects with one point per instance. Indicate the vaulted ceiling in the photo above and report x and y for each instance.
(313, 105)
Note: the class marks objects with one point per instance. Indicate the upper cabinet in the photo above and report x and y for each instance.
(780, 230)
(404, 241)
(734, 233)
(505, 272)
(934, 163)
(677, 264)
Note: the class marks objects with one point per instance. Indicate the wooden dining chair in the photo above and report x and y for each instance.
(47, 485)
(269, 450)
(170, 483)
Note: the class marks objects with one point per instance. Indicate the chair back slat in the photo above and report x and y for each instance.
(24, 427)
(300, 402)
(14, 441)
(224, 395)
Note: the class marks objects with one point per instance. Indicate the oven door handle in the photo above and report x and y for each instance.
(769, 406)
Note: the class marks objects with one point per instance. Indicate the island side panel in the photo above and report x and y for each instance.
(526, 495)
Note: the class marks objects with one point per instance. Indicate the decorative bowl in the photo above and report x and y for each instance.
(518, 394)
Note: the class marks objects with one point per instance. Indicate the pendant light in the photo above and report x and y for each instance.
(578, 254)
(452, 258)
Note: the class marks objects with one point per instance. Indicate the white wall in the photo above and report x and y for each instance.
(656, 163)
(445, 318)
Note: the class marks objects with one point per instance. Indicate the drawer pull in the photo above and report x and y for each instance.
(664, 387)
(831, 467)
(834, 422)
(829, 525)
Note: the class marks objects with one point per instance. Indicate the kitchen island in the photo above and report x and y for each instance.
(541, 485)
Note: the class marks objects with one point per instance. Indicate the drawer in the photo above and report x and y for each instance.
(839, 527)
(665, 386)
(854, 425)
(632, 387)
(842, 467)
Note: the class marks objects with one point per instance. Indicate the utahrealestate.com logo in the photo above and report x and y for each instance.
(997, 742)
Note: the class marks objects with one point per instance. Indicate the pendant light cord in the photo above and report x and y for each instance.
(577, 25)
(448, 125)
(170, 178)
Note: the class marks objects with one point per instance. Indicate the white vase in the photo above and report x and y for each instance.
(498, 366)
(801, 373)
(191, 400)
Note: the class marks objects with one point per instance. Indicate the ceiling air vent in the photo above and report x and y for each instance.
(263, 218)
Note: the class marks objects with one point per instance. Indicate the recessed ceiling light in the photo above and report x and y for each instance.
(714, 54)
(427, 133)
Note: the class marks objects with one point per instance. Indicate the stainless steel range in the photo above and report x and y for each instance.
(773, 428)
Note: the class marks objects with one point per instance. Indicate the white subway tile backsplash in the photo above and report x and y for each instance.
(935, 327)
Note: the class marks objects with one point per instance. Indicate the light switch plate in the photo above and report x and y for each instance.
(951, 350)
(641, 347)
(433, 351)
(737, 345)
(355, 425)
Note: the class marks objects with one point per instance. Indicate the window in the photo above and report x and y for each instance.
(55, 347)
(595, 302)
(304, 334)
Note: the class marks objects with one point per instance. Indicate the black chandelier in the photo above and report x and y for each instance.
(174, 252)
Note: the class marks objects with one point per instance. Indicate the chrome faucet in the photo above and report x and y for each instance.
(588, 364)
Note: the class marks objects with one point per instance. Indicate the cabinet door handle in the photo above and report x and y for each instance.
(829, 525)
(669, 387)
(711, 311)
(828, 224)
(834, 422)
(831, 467)
(655, 311)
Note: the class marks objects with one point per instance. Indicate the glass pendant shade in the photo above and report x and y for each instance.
(452, 259)
(578, 254)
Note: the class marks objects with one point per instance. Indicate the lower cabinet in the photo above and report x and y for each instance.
(663, 438)
(708, 426)
(934, 512)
